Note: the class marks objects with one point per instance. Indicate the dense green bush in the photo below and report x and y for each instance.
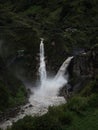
(78, 104)
(19, 98)
(66, 25)
(47, 122)
(44, 122)
(61, 113)
(7, 99)
(66, 118)
(90, 88)
(93, 100)
(24, 124)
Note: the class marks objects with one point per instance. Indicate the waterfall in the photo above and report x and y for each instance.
(46, 94)
(63, 68)
(50, 86)
(42, 68)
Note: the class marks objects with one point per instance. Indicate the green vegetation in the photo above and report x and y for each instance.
(12, 91)
(10, 99)
(19, 98)
(67, 26)
(68, 23)
(80, 113)
(64, 24)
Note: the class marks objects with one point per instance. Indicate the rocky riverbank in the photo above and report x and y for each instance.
(10, 113)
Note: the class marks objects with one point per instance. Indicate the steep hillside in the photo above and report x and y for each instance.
(67, 27)
(12, 90)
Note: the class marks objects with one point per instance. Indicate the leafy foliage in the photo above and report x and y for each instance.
(80, 112)
(66, 25)
(12, 91)
(78, 104)
(7, 99)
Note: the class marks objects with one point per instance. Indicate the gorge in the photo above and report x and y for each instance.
(50, 83)
(46, 94)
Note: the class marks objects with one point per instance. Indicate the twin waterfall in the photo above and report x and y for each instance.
(46, 94)
(48, 90)
(42, 68)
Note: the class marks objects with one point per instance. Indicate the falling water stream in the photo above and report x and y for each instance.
(46, 94)
(42, 68)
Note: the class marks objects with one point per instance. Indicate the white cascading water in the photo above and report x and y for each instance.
(63, 69)
(48, 90)
(46, 94)
(42, 68)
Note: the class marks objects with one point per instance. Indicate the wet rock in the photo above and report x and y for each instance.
(22, 111)
(30, 105)
(83, 68)
(10, 113)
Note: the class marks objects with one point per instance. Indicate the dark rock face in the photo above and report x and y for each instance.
(9, 80)
(83, 68)
(10, 88)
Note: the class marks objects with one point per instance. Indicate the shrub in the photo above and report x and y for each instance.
(55, 111)
(90, 88)
(19, 98)
(45, 122)
(27, 123)
(78, 104)
(93, 100)
(66, 117)
(61, 113)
